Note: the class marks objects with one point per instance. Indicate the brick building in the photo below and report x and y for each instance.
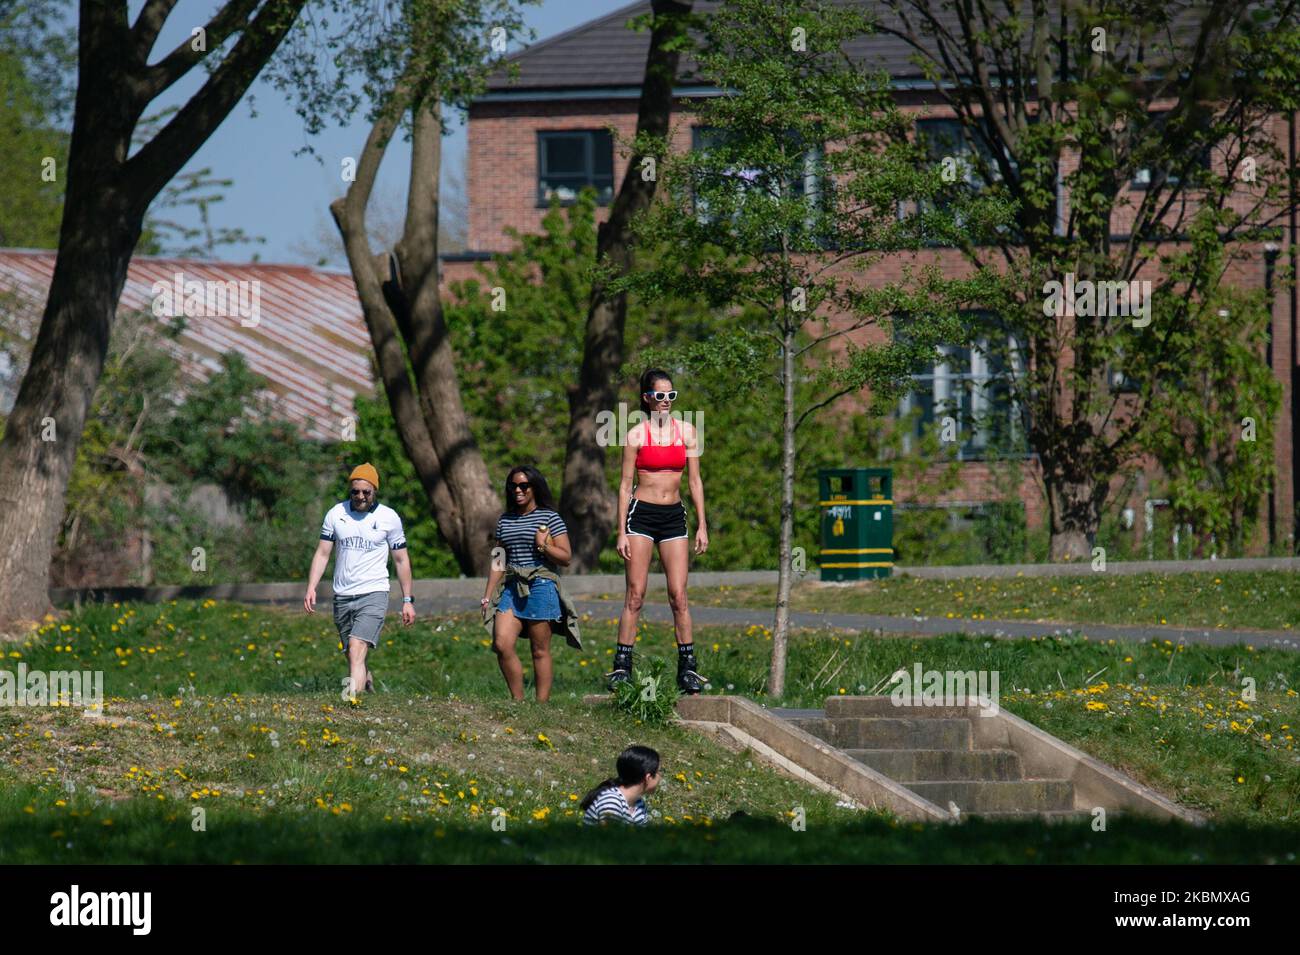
(548, 132)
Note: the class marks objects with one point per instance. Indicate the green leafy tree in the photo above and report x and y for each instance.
(1214, 433)
(154, 445)
(277, 482)
(1137, 142)
(36, 61)
(104, 533)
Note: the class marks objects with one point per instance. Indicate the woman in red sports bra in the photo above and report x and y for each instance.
(650, 514)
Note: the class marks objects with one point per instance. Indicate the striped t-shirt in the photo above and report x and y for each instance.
(612, 804)
(518, 532)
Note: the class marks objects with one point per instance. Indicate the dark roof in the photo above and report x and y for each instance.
(603, 55)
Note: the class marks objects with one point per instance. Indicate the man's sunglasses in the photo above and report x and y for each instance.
(360, 492)
(521, 485)
(662, 395)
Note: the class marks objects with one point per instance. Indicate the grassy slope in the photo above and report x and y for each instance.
(1261, 600)
(243, 702)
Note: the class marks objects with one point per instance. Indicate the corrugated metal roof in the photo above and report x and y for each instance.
(310, 340)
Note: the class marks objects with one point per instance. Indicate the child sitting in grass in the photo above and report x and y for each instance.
(623, 797)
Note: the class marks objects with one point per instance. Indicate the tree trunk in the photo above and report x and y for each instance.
(586, 501)
(44, 429)
(103, 211)
(781, 631)
(432, 359)
(1074, 509)
(406, 310)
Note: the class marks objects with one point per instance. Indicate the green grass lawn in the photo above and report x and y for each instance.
(237, 711)
(1260, 600)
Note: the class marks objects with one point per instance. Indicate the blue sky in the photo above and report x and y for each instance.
(282, 197)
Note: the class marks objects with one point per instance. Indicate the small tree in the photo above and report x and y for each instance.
(1213, 430)
(803, 168)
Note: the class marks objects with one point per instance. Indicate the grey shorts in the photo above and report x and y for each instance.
(360, 616)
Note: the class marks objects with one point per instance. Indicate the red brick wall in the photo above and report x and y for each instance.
(503, 159)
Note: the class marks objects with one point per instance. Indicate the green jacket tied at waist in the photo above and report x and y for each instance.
(568, 622)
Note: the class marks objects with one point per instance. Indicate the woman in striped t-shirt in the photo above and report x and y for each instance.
(622, 797)
(532, 534)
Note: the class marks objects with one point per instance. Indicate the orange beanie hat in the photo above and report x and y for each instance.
(365, 472)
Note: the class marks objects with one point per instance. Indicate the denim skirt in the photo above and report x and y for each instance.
(542, 602)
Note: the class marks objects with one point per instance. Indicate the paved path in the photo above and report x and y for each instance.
(913, 626)
(461, 595)
(933, 626)
(613, 583)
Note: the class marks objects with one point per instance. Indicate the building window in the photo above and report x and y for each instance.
(965, 396)
(570, 160)
(801, 181)
(1144, 176)
(944, 139)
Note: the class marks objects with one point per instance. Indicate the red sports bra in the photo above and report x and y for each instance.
(661, 457)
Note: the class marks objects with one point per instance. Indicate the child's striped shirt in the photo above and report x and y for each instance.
(611, 804)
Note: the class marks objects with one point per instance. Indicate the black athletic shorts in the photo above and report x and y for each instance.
(659, 522)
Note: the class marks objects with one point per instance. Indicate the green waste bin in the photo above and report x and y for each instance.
(857, 507)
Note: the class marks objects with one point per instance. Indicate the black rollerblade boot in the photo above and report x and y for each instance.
(689, 680)
(622, 672)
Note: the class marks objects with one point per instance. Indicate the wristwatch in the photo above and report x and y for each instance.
(408, 600)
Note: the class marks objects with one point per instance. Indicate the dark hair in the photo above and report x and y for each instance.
(634, 764)
(541, 490)
(648, 379)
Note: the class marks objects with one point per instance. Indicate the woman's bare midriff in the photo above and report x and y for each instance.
(658, 487)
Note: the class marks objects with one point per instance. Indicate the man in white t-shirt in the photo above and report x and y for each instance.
(366, 532)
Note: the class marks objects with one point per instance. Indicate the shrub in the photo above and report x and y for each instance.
(650, 696)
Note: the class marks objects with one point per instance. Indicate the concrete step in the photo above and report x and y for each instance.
(894, 733)
(845, 706)
(908, 765)
(1021, 815)
(1032, 795)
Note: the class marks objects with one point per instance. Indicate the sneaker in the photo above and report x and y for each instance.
(689, 681)
(622, 672)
